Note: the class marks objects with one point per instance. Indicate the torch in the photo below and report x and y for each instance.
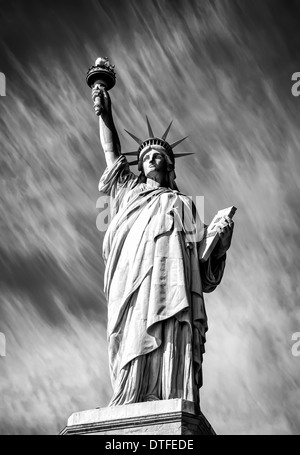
(103, 74)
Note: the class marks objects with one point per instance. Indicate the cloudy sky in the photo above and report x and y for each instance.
(222, 71)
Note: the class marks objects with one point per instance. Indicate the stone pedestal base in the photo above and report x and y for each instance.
(169, 417)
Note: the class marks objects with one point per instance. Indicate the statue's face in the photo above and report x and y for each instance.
(154, 162)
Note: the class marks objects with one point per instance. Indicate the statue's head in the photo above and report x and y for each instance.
(154, 155)
(158, 149)
(155, 162)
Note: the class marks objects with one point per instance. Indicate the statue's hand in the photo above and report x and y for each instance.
(101, 99)
(225, 230)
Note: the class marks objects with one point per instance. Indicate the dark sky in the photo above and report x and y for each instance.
(222, 71)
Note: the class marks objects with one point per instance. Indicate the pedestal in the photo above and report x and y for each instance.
(169, 417)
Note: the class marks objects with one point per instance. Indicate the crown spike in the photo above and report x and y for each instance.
(178, 142)
(164, 136)
(151, 134)
(133, 163)
(139, 141)
(179, 155)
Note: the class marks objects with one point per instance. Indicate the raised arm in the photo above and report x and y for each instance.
(108, 134)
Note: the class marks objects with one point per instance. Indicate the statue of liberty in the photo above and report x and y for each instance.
(154, 279)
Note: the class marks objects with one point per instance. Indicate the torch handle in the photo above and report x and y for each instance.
(97, 100)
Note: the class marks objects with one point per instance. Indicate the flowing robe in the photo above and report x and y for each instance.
(154, 285)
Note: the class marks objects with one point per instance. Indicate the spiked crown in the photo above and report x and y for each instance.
(152, 140)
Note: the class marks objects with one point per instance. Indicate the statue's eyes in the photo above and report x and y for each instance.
(157, 155)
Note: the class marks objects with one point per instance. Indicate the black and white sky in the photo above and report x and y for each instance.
(222, 71)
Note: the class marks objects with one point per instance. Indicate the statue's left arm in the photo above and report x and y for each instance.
(213, 269)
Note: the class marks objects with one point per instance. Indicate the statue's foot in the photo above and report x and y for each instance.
(151, 398)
